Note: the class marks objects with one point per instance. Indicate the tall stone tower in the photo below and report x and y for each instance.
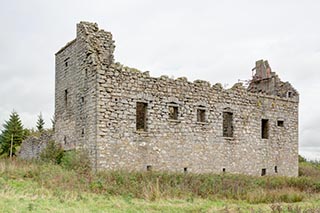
(77, 66)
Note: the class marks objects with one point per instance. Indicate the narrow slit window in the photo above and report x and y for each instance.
(66, 98)
(185, 169)
(173, 112)
(265, 128)
(227, 124)
(141, 116)
(280, 123)
(201, 115)
(275, 169)
(223, 170)
(263, 172)
(66, 62)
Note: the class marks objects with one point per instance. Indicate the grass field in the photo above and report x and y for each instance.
(42, 187)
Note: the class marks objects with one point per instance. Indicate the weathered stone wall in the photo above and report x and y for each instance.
(77, 65)
(33, 145)
(109, 115)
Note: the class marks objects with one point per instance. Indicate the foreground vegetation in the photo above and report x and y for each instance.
(43, 187)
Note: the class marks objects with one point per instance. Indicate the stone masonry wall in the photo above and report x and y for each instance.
(33, 145)
(101, 116)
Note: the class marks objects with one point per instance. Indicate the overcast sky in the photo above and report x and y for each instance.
(218, 41)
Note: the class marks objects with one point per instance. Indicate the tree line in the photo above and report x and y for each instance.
(14, 133)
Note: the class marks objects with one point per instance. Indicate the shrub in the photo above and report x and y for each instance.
(76, 160)
(52, 153)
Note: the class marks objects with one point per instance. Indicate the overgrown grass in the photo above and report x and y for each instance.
(153, 186)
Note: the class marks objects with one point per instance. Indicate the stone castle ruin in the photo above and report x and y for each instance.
(129, 120)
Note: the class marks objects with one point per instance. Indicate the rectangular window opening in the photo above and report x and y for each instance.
(82, 99)
(223, 170)
(276, 169)
(185, 169)
(141, 116)
(82, 132)
(173, 112)
(149, 168)
(265, 128)
(66, 98)
(201, 115)
(227, 124)
(263, 172)
(280, 123)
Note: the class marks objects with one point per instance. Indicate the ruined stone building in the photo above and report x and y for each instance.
(129, 120)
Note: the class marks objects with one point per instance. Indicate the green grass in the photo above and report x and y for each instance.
(40, 187)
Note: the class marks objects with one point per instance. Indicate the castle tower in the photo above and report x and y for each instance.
(77, 65)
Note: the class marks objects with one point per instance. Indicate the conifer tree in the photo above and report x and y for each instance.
(12, 131)
(40, 123)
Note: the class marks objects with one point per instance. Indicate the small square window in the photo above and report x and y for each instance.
(280, 123)
(173, 112)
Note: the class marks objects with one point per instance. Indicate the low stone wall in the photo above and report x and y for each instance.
(33, 145)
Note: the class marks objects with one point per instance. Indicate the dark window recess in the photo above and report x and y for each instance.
(185, 169)
(149, 168)
(82, 99)
(265, 128)
(227, 124)
(65, 140)
(173, 112)
(289, 94)
(66, 98)
(263, 172)
(280, 123)
(141, 116)
(66, 62)
(276, 169)
(201, 115)
(223, 169)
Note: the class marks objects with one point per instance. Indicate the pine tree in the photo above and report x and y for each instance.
(13, 131)
(40, 123)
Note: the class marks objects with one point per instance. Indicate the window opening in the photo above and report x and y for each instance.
(265, 128)
(201, 115)
(227, 124)
(66, 98)
(141, 116)
(280, 123)
(173, 112)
